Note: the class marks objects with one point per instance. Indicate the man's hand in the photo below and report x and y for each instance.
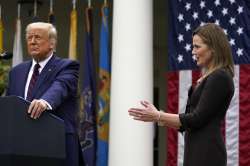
(36, 108)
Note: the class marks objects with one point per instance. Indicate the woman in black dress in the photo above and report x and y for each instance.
(207, 102)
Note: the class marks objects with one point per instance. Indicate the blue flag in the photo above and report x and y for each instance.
(104, 92)
(88, 118)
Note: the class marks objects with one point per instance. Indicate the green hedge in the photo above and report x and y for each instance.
(4, 69)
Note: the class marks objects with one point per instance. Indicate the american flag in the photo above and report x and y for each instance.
(234, 17)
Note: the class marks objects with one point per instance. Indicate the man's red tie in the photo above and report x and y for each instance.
(33, 81)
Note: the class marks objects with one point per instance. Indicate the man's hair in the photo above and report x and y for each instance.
(52, 32)
(215, 38)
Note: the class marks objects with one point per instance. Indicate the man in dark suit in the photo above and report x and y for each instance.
(49, 83)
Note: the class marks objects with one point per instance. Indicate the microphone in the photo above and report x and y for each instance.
(6, 55)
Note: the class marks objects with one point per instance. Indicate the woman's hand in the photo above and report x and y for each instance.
(147, 114)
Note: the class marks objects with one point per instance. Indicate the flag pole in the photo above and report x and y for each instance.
(105, 2)
(51, 6)
(88, 24)
(35, 8)
(73, 32)
(0, 12)
(74, 4)
(18, 10)
(89, 3)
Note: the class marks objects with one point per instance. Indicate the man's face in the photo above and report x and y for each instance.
(38, 44)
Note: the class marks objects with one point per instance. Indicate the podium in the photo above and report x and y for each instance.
(28, 142)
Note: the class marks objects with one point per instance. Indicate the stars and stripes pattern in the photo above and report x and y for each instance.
(186, 15)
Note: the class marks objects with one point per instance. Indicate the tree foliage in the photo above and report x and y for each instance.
(4, 69)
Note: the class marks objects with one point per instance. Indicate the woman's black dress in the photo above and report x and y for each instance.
(205, 111)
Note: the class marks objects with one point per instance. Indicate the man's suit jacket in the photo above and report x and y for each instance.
(57, 84)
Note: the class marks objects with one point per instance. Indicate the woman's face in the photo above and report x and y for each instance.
(202, 52)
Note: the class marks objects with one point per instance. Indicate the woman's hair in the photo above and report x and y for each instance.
(215, 38)
(52, 33)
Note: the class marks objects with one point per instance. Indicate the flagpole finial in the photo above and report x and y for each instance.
(51, 6)
(0, 11)
(74, 4)
(35, 8)
(105, 2)
(89, 3)
(18, 10)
